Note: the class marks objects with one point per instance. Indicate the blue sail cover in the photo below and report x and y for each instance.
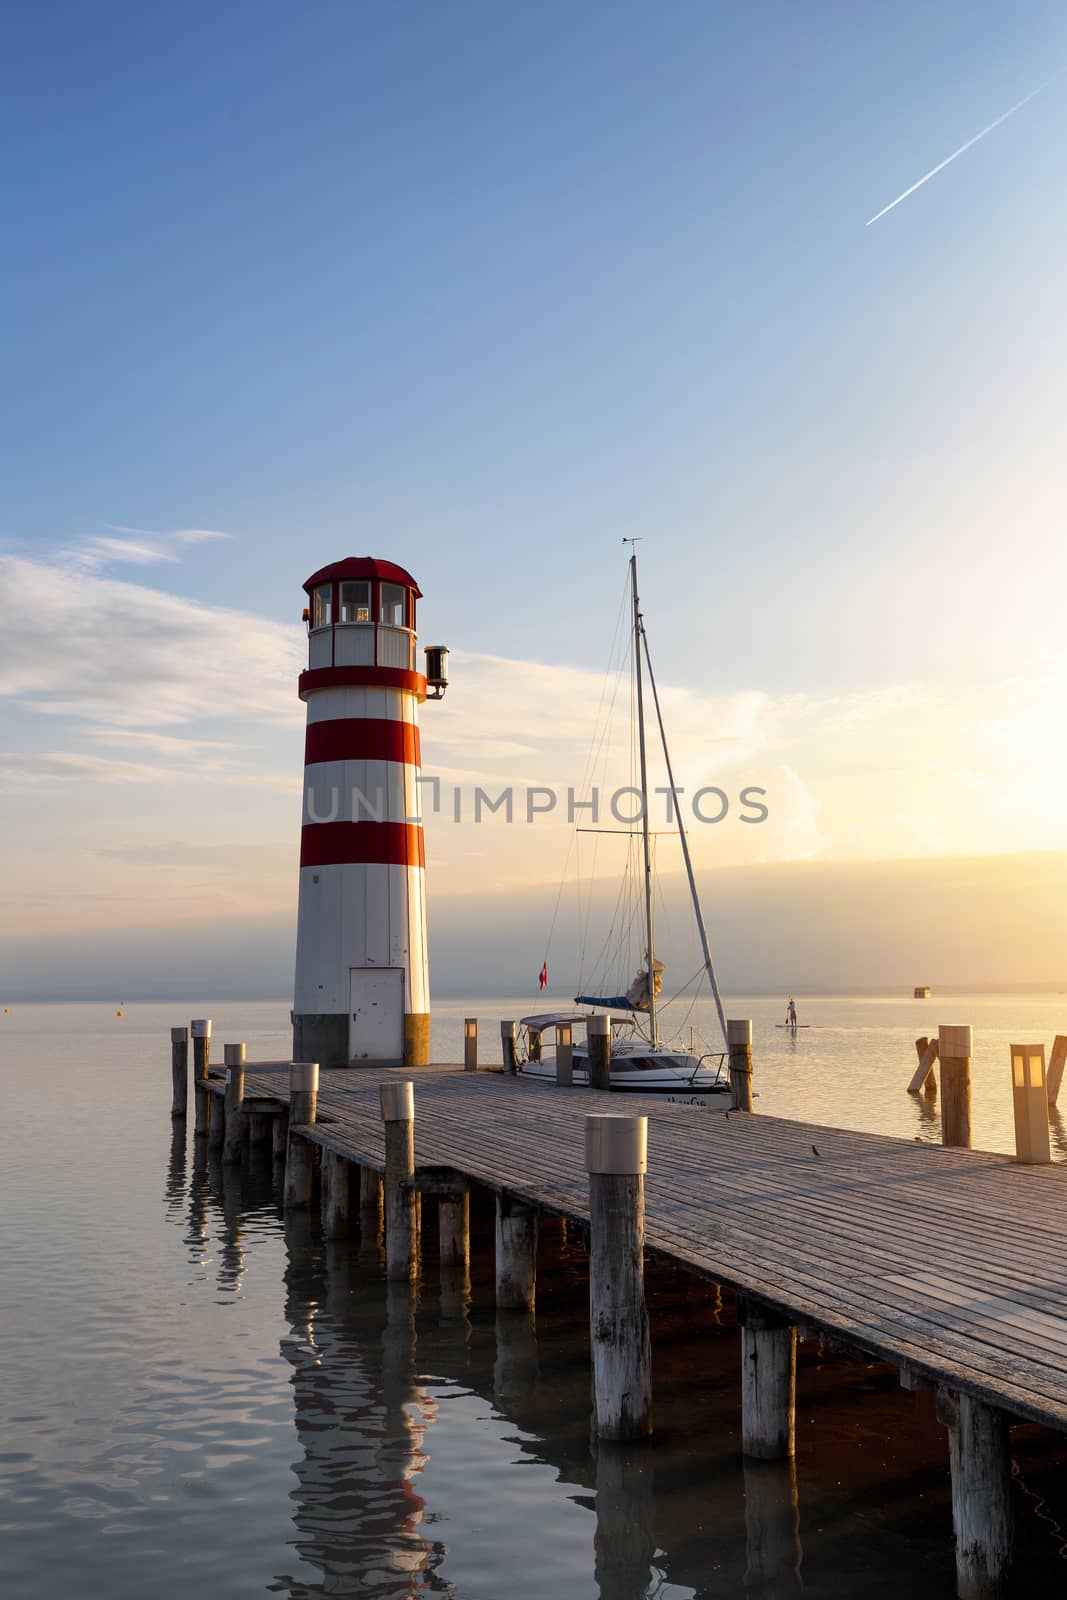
(617, 1001)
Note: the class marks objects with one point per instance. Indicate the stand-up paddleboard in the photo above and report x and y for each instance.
(793, 1026)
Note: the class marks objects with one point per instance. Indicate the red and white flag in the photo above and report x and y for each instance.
(542, 979)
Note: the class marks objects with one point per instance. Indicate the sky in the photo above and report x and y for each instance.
(485, 290)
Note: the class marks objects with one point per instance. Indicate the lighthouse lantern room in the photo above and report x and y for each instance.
(362, 993)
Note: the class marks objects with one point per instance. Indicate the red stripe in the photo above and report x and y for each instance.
(361, 739)
(362, 677)
(335, 844)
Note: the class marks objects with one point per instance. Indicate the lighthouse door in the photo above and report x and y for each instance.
(376, 1015)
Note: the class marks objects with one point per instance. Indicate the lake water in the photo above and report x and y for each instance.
(198, 1397)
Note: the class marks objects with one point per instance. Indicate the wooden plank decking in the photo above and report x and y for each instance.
(951, 1263)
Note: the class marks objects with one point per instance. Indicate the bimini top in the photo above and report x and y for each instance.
(549, 1018)
(363, 567)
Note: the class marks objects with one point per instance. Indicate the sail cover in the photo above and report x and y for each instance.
(636, 996)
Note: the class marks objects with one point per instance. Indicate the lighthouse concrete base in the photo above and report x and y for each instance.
(321, 1037)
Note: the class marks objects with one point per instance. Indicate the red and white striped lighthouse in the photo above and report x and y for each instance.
(362, 995)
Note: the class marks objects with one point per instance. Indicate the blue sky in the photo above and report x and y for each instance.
(486, 288)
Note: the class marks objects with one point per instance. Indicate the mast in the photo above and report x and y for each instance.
(697, 912)
(652, 1026)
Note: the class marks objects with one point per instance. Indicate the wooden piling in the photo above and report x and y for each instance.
(179, 1071)
(470, 1044)
(516, 1254)
(768, 1383)
(300, 1153)
(739, 1050)
(234, 1058)
(454, 1227)
(336, 1195)
(1030, 1105)
(982, 1511)
(279, 1133)
(616, 1160)
(401, 1223)
(370, 1202)
(200, 1028)
(259, 1129)
(923, 1078)
(507, 1047)
(598, 1034)
(1056, 1062)
(565, 1054)
(954, 1053)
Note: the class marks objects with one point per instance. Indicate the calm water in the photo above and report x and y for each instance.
(198, 1397)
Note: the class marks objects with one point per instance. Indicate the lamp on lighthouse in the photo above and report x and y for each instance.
(362, 986)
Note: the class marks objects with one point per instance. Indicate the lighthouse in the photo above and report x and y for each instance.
(362, 995)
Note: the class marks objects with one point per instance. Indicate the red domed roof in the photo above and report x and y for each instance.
(363, 567)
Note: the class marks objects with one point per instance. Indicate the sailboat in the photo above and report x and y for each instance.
(641, 1062)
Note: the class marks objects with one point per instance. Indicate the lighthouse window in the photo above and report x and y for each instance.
(355, 602)
(393, 605)
(320, 606)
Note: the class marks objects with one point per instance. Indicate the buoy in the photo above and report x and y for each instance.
(118, 1013)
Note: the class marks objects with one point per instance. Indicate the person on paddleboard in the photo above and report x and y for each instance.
(791, 1013)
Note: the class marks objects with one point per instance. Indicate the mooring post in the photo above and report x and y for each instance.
(616, 1157)
(517, 1227)
(200, 1028)
(279, 1133)
(179, 1071)
(1030, 1104)
(336, 1195)
(565, 1054)
(924, 1080)
(470, 1044)
(507, 1046)
(300, 1152)
(454, 1227)
(768, 1383)
(739, 1051)
(401, 1224)
(982, 1512)
(234, 1058)
(598, 1034)
(954, 1053)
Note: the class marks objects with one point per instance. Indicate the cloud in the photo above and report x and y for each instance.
(99, 551)
(89, 647)
(178, 535)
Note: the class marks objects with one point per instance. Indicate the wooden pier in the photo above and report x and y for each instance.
(949, 1263)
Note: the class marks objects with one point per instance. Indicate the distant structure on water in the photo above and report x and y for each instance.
(362, 996)
(922, 991)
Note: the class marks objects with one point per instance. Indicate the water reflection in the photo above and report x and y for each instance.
(361, 1418)
(625, 1541)
(174, 1188)
(772, 1529)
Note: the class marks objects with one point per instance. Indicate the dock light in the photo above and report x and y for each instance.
(1030, 1103)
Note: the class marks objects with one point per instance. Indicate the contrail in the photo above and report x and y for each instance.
(941, 165)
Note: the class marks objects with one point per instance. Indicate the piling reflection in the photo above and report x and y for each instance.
(772, 1529)
(174, 1188)
(625, 1542)
(227, 1182)
(361, 1418)
(515, 1367)
(196, 1234)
